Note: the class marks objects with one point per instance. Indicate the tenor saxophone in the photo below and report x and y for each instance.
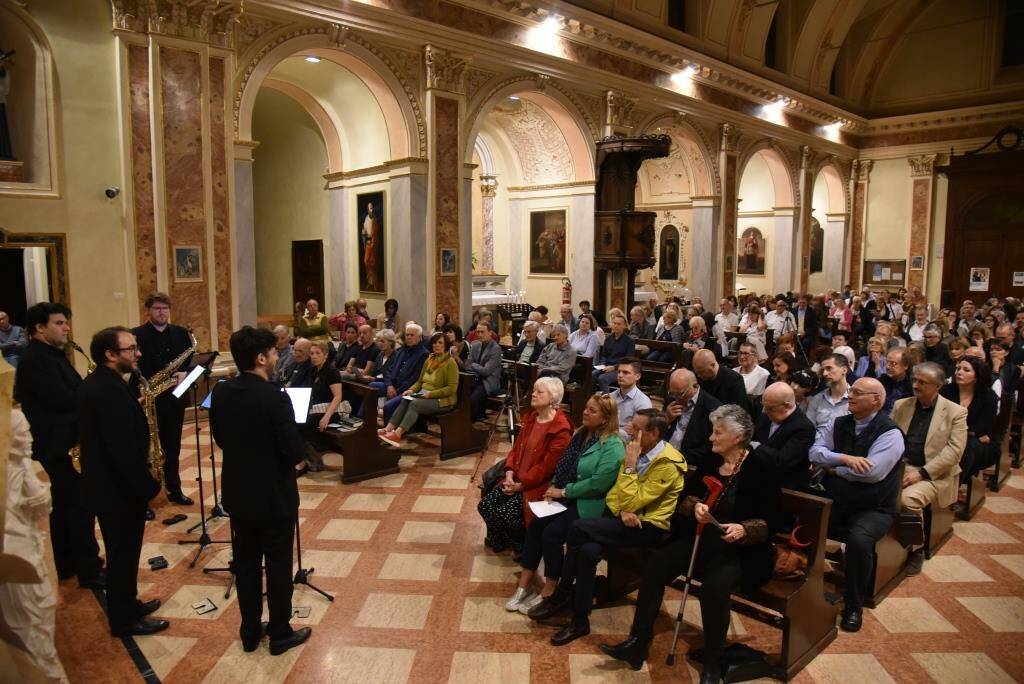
(149, 390)
(76, 451)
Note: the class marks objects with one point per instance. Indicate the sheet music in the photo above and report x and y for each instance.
(300, 397)
(187, 382)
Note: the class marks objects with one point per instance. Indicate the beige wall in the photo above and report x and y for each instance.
(289, 199)
(89, 160)
(757, 194)
(887, 232)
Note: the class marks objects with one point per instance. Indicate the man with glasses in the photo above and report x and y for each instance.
(897, 380)
(860, 453)
(689, 415)
(783, 435)
(935, 349)
(160, 342)
(755, 377)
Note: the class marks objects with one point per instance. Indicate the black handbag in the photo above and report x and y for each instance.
(492, 476)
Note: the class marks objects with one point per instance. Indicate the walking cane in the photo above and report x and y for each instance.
(715, 488)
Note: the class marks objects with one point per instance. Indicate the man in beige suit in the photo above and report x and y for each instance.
(936, 433)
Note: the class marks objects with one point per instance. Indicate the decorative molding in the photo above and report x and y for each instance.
(619, 110)
(729, 138)
(488, 185)
(861, 171)
(806, 157)
(445, 71)
(551, 186)
(921, 166)
(476, 79)
(379, 168)
(207, 21)
(529, 82)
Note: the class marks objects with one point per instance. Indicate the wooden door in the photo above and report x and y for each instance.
(12, 284)
(980, 250)
(308, 271)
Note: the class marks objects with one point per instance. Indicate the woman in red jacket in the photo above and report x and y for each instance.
(543, 436)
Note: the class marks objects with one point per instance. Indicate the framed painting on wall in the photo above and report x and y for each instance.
(750, 251)
(449, 262)
(188, 263)
(370, 241)
(668, 254)
(547, 242)
(817, 247)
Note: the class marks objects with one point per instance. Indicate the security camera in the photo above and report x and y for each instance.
(112, 192)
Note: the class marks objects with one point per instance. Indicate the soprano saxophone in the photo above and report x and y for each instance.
(76, 451)
(149, 390)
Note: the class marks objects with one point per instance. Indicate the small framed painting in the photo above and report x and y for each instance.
(917, 263)
(449, 265)
(188, 263)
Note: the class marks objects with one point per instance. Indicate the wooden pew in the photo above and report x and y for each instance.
(797, 607)
(363, 455)
(1000, 472)
(966, 508)
(938, 528)
(582, 376)
(1016, 429)
(458, 436)
(659, 371)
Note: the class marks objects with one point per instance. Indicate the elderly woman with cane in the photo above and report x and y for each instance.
(725, 541)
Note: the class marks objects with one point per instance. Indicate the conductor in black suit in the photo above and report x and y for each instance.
(783, 436)
(689, 409)
(160, 341)
(116, 481)
(253, 423)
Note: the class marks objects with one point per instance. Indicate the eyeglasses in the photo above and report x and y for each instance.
(134, 348)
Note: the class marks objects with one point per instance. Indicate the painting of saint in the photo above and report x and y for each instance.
(188, 264)
(750, 250)
(370, 228)
(547, 242)
(817, 246)
(668, 255)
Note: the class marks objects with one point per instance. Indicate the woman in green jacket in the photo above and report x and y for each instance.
(435, 391)
(583, 475)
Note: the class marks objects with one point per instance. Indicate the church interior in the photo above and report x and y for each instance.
(367, 164)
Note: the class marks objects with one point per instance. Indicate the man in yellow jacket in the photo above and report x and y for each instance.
(642, 500)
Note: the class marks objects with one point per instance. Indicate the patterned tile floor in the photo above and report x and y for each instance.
(419, 599)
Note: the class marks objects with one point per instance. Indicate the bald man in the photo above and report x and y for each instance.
(723, 383)
(689, 409)
(860, 452)
(302, 370)
(783, 436)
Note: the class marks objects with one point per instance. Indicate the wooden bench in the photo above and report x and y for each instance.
(1000, 472)
(458, 436)
(363, 455)
(797, 607)
(938, 528)
(655, 372)
(580, 388)
(1016, 429)
(966, 508)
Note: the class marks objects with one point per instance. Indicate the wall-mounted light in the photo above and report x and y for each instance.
(544, 37)
(773, 111)
(831, 131)
(312, 59)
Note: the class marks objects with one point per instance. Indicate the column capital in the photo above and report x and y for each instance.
(445, 71)
(619, 112)
(488, 184)
(207, 21)
(922, 166)
(861, 170)
(730, 137)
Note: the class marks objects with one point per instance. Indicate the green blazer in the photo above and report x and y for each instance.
(595, 475)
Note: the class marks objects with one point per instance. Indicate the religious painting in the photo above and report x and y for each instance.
(817, 246)
(619, 278)
(979, 279)
(449, 262)
(750, 251)
(547, 242)
(668, 254)
(188, 263)
(917, 263)
(370, 231)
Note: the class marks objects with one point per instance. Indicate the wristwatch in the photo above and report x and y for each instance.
(628, 471)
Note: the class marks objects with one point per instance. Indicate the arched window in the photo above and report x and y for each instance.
(668, 254)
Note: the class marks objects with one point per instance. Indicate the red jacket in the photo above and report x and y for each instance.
(535, 469)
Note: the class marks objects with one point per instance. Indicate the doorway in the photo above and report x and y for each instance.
(24, 280)
(308, 271)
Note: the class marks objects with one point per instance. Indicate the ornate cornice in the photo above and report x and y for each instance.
(445, 71)
(922, 166)
(207, 21)
(379, 168)
(551, 186)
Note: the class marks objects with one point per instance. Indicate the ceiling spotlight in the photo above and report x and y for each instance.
(513, 97)
(551, 24)
(312, 59)
(544, 37)
(773, 111)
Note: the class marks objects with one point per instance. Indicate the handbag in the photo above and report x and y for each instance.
(492, 476)
(790, 560)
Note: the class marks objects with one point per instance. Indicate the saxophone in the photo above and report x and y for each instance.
(76, 451)
(149, 390)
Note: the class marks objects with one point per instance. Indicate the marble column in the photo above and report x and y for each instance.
(516, 221)
(859, 177)
(245, 236)
(923, 178)
(409, 227)
(705, 236)
(783, 253)
(804, 209)
(488, 188)
(581, 245)
(727, 217)
(835, 250)
(340, 278)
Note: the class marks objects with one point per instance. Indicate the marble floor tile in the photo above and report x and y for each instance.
(1004, 505)
(348, 529)
(365, 665)
(692, 618)
(459, 463)
(845, 668)
(1014, 563)
(446, 481)
(394, 480)
(488, 614)
(600, 669)
(981, 533)
(394, 611)
(956, 668)
(612, 620)
(1000, 613)
(164, 652)
(424, 567)
(259, 666)
(438, 504)
(360, 501)
(304, 597)
(179, 605)
(415, 532)
(489, 667)
(329, 563)
(1015, 481)
(212, 524)
(310, 500)
(953, 569)
(911, 615)
(489, 568)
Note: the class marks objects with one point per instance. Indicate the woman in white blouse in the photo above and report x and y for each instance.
(585, 341)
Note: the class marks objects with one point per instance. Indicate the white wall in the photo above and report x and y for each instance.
(757, 200)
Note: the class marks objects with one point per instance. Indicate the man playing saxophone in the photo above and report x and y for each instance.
(160, 342)
(46, 385)
(116, 478)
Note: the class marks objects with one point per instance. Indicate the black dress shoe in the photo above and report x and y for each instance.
(299, 636)
(551, 606)
(633, 650)
(915, 563)
(150, 514)
(250, 645)
(147, 607)
(98, 581)
(577, 627)
(709, 676)
(852, 619)
(142, 627)
(180, 499)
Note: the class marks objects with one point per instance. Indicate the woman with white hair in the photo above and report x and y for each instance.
(543, 436)
(739, 554)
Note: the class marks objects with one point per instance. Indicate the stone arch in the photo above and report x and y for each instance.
(783, 175)
(694, 147)
(837, 189)
(325, 121)
(395, 96)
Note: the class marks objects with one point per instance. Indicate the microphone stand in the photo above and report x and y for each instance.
(302, 575)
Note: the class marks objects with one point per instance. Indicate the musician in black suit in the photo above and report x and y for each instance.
(160, 342)
(46, 385)
(689, 409)
(783, 436)
(724, 383)
(253, 423)
(116, 480)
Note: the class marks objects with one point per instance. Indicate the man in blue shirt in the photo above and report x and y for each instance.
(616, 346)
(861, 453)
(12, 340)
(628, 397)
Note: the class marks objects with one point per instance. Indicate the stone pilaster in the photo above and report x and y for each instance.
(922, 174)
(805, 207)
(727, 218)
(488, 188)
(859, 178)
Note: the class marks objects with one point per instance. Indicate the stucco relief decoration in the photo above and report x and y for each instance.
(863, 170)
(730, 137)
(209, 21)
(921, 166)
(444, 70)
(619, 110)
(543, 153)
(475, 80)
(661, 221)
(250, 28)
(667, 176)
